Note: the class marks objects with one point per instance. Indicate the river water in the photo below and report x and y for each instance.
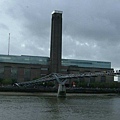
(53, 108)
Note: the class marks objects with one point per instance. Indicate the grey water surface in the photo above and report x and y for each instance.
(53, 108)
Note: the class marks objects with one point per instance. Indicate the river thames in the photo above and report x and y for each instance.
(86, 107)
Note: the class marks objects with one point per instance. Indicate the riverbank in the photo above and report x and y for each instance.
(45, 94)
(53, 91)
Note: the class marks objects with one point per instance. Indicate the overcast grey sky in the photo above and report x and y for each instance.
(91, 28)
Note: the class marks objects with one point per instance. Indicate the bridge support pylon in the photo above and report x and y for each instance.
(61, 87)
(61, 91)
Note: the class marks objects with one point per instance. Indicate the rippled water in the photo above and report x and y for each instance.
(52, 108)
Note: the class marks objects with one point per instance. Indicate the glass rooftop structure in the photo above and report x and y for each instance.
(86, 63)
(23, 59)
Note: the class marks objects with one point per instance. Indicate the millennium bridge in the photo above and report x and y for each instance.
(62, 78)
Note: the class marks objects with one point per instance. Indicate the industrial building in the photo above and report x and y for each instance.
(25, 68)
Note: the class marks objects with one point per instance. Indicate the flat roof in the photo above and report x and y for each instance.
(57, 11)
(86, 63)
(24, 59)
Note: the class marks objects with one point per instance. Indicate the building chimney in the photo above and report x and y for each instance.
(56, 42)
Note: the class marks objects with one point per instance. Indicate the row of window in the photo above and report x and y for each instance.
(92, 79)
(12, 72)
(24, 59)
(85, 63)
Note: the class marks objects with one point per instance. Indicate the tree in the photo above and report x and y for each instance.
(7, 82)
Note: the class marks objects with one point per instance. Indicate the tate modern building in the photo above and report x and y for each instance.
(25, 68)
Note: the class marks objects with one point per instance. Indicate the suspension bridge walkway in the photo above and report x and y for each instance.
(62, 78)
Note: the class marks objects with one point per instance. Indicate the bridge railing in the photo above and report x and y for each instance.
(53, 76)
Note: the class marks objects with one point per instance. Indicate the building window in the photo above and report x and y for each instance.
(44, 68)
(103, 78)
(64, 70)
(1, 72)
(14, 72)
(92, 79)
(26, 74)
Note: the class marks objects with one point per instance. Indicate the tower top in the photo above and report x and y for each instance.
(57, 11)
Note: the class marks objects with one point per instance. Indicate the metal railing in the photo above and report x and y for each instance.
(63, 77)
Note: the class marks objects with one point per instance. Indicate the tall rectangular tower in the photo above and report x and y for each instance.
(56, 42)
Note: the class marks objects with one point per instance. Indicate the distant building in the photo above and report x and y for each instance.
(117, 78)
(25, 68)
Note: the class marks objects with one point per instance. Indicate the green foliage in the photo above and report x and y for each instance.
(14, 81)
(82, 84)
(7, 82)
(99, 85)
(35, 78)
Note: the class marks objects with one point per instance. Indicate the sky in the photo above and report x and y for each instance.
(91, 28)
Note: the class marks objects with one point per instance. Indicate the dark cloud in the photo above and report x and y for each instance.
(90, 28)
(95, 21)
(3, 26)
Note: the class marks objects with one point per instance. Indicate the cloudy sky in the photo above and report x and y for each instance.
(91, 28)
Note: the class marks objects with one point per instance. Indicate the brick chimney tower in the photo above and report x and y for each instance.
(56, 42)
